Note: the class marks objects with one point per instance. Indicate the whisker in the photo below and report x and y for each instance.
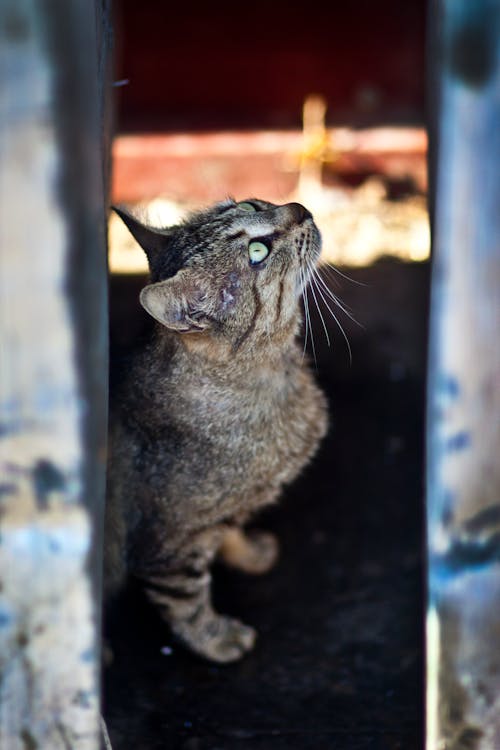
(306, 306)
(310, 327)
(336, 299)
(314, 284)
(302, 284)
(337, 322)
(327, 266)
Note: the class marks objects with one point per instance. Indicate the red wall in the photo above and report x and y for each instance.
(251, 64)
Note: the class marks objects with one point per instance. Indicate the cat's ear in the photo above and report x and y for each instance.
(178, 303)
(152, 240)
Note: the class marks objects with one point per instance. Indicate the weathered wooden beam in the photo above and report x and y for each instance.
(53, 371)
(463, 483)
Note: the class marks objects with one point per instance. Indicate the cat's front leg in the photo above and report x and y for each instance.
(252, 552)
(180, 588)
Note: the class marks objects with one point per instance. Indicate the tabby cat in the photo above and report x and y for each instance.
(215, 413)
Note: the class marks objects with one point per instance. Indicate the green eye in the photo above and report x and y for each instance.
(257, 252)
(246, 206)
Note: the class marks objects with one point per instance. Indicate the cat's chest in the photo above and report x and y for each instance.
(233, 413)
(258, 433)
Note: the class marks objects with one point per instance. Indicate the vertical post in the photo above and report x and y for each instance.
(463, 429)
(53, 370)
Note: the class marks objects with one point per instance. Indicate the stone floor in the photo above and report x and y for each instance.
(339, 660)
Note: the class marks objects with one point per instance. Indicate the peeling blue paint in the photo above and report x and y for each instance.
(465, 556)
(84, 699)
(11, 407)
(458, 442)
(472, 41)
(54, 546)
(36, 543)
(441, 505)
(47, 478)
(448, 386)
(447, 514)
(6, 616)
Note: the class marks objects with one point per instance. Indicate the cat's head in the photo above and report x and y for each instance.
(235, 271)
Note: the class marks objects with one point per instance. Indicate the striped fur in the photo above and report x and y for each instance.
(214, 414)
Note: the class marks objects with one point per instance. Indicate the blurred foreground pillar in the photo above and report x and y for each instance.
(463, 449)
(53, 369)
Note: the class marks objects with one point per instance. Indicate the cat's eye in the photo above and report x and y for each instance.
(257, 252)
(247, 206)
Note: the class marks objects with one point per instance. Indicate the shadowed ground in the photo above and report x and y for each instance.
(338, 664)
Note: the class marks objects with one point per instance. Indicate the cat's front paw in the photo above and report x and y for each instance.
(253, 552)
(218, 638)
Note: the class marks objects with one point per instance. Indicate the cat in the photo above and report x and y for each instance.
(215, 413)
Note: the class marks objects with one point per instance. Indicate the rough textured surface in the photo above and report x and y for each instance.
(463, 437)
(52, 373)
(339, 660)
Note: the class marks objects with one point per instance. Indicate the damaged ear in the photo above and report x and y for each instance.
(152, 240)
(178, 303)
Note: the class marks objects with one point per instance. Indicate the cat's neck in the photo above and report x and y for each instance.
(217, 355)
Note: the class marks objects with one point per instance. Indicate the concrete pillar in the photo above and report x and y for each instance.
(463, 438)
(53, 370)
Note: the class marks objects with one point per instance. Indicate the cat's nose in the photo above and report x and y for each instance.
(300, 213)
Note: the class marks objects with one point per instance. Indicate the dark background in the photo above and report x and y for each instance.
(220, 65)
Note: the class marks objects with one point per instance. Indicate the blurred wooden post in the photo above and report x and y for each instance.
(53, 369)
(463, 482)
